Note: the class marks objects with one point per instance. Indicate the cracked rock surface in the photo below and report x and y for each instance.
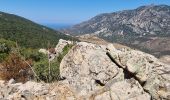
(93, 75)
(153, 75)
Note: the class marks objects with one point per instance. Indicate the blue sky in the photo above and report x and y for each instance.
(69, 11)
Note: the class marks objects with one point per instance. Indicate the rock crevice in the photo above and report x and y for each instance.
(146, 69)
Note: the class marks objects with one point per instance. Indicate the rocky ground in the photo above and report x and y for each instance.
(98, 72)
(165, 59)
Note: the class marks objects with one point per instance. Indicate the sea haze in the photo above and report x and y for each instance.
(58, 26)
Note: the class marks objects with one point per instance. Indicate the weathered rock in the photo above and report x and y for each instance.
(36, 91)
(61, 91)
(61, 44)
(151, 73)
(128, 89)
(11, 81)
(33, 87)
(87, 67)
(2, 82)
(54, 52)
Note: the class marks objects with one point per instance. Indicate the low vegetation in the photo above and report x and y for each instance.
(23, 64)
(20, 40)
(15, 67)
(5, 48)
(41, 67)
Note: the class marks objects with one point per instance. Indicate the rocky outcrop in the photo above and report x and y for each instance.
(99, 72)
(93, 75)
(153, 75)
(87, 67)
(61, 44)
(54, 52)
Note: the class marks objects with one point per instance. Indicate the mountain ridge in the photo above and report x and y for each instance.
(128, 27)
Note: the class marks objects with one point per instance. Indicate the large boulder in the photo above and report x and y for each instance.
(152, 74)
(93, 75)
(87, 67)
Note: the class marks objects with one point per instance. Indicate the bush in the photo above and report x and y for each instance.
(42, 67)
(29, 53)
(6, 47)
(14, 67)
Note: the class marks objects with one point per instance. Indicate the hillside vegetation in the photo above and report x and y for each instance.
(27, 33)
(20, 40)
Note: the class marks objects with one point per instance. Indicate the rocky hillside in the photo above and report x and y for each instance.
(140, 27)
(99, 72)
(26, 32)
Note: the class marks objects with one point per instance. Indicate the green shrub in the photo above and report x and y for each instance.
(41, 67)
(6, 47)
(29, 53)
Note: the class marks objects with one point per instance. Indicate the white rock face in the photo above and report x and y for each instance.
(33, 87)
(87, 64)
(128, 90)
(93, 75)
(58, 49)
(61, 44)
(149, 71)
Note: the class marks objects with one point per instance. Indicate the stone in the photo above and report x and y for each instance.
(61, 44)
(128, 89)
(54, 52)
(87, 67)
(2, 82)
(104, 96)
(33, 87)
(148, 70)
(11, 81)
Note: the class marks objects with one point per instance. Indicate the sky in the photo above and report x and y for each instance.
(69, 11)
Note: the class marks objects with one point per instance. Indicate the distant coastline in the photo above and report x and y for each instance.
(58, 26)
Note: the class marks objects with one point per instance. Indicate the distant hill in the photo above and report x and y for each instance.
(27, 33)
(146, 28)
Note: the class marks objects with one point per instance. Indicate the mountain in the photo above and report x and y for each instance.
(146, 28)
(26, 32)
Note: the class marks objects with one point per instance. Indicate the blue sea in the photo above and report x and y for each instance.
(58, 26)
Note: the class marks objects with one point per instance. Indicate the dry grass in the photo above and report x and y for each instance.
(14, 67)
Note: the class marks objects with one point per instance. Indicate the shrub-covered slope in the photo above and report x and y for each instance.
(26, 32)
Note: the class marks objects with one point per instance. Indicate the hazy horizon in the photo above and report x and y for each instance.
(57, 26)
(69, 12)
